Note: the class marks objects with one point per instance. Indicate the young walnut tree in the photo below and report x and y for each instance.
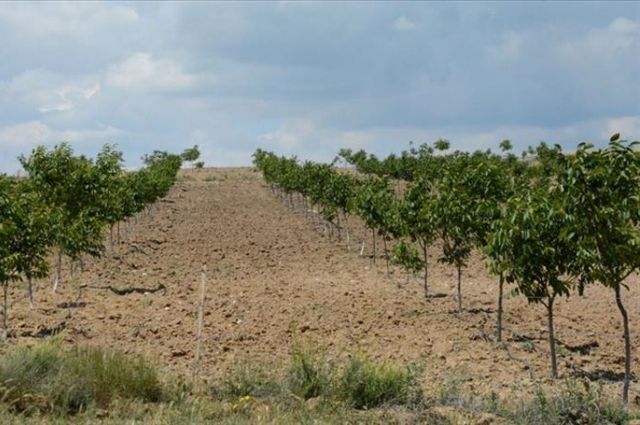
(602, 192)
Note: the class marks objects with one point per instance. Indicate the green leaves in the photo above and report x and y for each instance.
(530, 245)
(191, 155)
(602, 190)
(73, 198)
(407, 256)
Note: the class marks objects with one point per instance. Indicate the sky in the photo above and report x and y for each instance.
(309, 78)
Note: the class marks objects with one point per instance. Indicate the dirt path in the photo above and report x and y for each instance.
(273, 278)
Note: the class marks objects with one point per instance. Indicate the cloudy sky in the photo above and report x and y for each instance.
(310, 78)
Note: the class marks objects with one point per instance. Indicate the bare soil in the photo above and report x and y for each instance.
(274, 277)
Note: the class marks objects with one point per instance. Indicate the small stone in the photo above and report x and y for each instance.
(313, 403)
(102, 413)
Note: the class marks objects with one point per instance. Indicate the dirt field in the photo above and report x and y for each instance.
(274, 277)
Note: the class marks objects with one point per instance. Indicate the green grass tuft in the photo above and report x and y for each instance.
(246, 379)
(365, 384)
(47, 378)
(309, 373)
(578, 402)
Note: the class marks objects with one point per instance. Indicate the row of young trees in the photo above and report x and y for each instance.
(64, 204)
(548, 223)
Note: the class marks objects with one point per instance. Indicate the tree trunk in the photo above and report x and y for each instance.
(373, 257)
(386, 253)
(459, 267)
(346, 227)
(111, 236)
(426, 270)
(58, 270)
(500, 298)
(5, 311)
(78, 292)
(203, 292)
(627, 347)
(552, 339)
(30, 289)
(364, 238)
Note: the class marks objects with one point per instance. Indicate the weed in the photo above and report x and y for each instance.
(246, 379)
(365, 384)
(309, 373)
(48, 378)
(579, 402)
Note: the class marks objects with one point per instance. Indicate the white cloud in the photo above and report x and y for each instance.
(89, 92)
(292, 135)
(25, 134)
(72, 18)
(47, 91)
(305, 139)
(218, 156)
(355, 139)
(68, 96)
(403, 24)
(141, 71)
(30, 134)
(512, 44)
(628, 127)
(621, 38)
(20, 139)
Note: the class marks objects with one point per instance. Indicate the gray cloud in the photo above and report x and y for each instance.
(309, 78)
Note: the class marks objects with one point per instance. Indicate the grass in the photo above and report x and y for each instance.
(309, 373)
(47, 378)
(579, 402)
(49, 384)
(574, 402)
(365, 384)
(246, 379)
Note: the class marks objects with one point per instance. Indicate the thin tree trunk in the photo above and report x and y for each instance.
(500, 298)
(459, 267)
(203, 289)
(373, 257)
(5, 311)
(426, 270)
(58, 271)
(346, 228)
(627, 347)
(364, 237)
(552, 339)
(30, 289)
(386, 253)
(78, 293)
(118, 233)
(111, 235)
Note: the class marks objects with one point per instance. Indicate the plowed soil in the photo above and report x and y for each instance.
(274, 277)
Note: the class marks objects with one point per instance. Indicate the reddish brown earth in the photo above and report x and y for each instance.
(273, 277)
